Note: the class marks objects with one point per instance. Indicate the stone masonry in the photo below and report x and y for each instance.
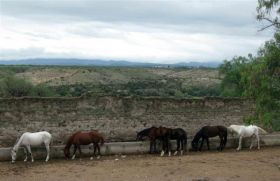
(118, 118)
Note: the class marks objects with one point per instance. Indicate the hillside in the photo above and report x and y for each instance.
(74, 81)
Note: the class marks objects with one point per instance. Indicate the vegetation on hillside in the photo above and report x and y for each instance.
(125, 81)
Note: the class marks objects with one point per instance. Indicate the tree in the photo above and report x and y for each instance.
(269, 11)
(233, 71)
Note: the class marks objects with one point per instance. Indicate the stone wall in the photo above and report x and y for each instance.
(118, 118)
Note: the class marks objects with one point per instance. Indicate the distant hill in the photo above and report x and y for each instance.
(97, 62)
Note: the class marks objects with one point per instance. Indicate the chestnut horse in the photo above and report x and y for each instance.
(83, 138)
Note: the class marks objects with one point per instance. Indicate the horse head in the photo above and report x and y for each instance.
(194, 145)
(66, 152)
(139, 137)
(13, 154)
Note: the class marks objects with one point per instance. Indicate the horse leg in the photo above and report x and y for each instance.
(80, 151)
(29, 150)
(155, 146)
(98, 149)
(258, 140)
(182, 146)
(178, 146)
(25, 152)
(164, 146)
(74, 153)
(168, 146)
(93, 155)
(201, 144)
(252, 142)
(48, 152)
(240, 143)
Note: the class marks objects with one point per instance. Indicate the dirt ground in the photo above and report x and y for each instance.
(229, 165)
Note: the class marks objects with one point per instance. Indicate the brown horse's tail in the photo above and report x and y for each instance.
(101, 140)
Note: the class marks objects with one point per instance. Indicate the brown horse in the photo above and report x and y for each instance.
(83, 138)
(163, 134)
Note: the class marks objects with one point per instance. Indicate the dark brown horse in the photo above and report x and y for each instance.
(163, 134)
(83, 138)
(207, 132)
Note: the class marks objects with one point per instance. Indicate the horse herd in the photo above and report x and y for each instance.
(163, 134)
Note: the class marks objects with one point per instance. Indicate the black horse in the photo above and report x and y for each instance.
(207, 132)
(164, 135)
(180, 136)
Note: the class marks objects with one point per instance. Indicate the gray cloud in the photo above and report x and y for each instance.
(217, 29)
(231, 13)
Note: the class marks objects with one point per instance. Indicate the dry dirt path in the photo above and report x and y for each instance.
(229, 165)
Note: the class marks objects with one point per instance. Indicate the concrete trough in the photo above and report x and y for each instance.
(134, 147)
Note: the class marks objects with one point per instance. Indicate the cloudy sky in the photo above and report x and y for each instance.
(135, 30)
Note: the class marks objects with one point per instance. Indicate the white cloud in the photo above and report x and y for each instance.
(171, 32)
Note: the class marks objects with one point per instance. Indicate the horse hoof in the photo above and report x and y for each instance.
(162, 153)
(169, 153)
(175, 153)
(182, 152)
(73, 157)
(13, 162)
(98, 157)
(91, 158)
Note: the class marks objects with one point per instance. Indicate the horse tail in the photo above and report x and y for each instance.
(101, 140)
(225, 138)
(51, 140)
(261, 130)
(185, 142)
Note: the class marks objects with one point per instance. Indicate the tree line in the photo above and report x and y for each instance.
(258, 76)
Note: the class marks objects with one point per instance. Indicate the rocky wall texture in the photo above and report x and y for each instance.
(118, 118)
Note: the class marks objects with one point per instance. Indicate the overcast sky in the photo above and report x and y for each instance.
(134, 30)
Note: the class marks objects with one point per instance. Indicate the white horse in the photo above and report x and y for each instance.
(246, 131)
(32, 139)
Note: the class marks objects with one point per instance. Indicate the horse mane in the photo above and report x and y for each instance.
(145, 132)
(198, 135)
(19, 141)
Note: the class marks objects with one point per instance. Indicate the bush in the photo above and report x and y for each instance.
(15, 87)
